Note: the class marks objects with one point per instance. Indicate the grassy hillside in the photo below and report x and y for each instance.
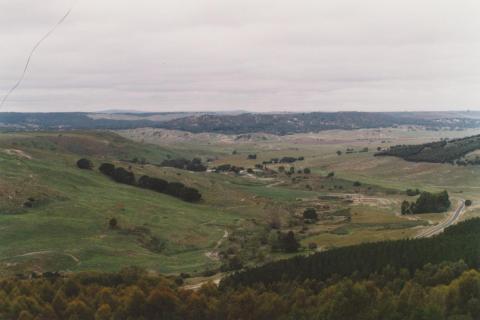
(66, 227)
(54, 216)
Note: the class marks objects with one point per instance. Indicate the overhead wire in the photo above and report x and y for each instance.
(32, 52)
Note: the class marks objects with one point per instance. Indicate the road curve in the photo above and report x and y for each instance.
(438, 228)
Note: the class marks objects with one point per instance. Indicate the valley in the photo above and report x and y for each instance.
(238, 222)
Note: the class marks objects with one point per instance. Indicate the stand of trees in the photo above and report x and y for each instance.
(444, 151)
(448, 290)
(427, 203)
(191, 165)
(228, 168)
(458, 242)
(175, 189)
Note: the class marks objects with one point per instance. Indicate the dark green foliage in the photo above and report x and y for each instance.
(405, 209)
(228, 168)
(468, 203)
(443, 291)
(191, 165)
(357, 184)
(288, 242)
(113, 223)
(288, 160)
(307, 171)
(412, 192)
(175, 189)
(310, 213)
(331, 174)
(459, 242)
(428, 203)
(124, 176)
(252, 157)
(443, 151)
(84, 164)
(155, 184)
(107, 169)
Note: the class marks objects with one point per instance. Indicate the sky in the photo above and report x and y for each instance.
(255, 55)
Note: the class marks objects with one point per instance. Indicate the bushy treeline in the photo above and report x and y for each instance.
(440, 151)
(461, 241)
(228, 168)
(445, 291)
(191, 165)
(175, 189)
(284, 160)
(427, 203)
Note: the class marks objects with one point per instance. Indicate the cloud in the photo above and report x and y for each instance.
(263, 55)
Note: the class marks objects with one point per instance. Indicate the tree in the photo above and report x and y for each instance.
(113, 223)
(104, 312)
(405, 209)
(162, 304)
(307, 171)
(468, 203)
(288, 242)
(85, 164)
(357, 184)
(77, 309)
(310, 214)
(123, 176)
(339, 153)
(107, 169)
(331, 174)
(292, 170)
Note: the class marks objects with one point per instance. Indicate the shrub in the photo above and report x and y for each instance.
(85, 164)
(113, 223)
(107, 169)
(310, 213)
(123, 176)
(468, 203)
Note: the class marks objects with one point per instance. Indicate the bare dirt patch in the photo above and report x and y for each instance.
(18, 153)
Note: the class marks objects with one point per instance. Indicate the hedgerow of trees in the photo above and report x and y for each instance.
(175, 189)
(191, 165)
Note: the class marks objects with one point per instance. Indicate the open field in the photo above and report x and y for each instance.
(67, 227)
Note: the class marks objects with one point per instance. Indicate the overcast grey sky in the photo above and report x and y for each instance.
(258, 55)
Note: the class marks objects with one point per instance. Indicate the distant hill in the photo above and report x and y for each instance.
(228, 123)
(445, 151)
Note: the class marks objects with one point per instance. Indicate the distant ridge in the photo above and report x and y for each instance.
(237, 122)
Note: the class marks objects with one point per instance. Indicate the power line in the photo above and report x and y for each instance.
(32, 52)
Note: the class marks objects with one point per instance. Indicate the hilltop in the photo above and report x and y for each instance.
(233, 123)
